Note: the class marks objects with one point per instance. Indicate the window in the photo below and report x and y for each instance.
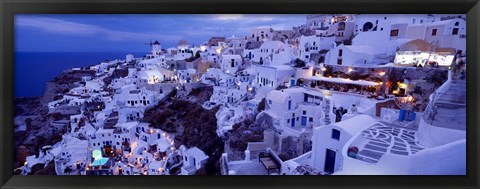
(310, 119)
(434, 32)
(393, 33)
(340, 52)
(455, 31)
(335, 134)
(341, 26)
(304, 112)
(339, 61)
(269, 101)
(457, 23)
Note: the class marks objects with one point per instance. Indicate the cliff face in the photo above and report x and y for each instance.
(32, 114)
(63, 83)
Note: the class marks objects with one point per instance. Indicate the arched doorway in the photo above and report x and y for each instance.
(367, 26)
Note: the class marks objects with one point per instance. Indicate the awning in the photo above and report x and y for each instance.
(343, 81)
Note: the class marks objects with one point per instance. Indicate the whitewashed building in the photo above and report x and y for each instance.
(231, 63)
(193, 159)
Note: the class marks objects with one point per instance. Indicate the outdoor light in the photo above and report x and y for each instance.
(381, 73)
(350, 70)
(409, 98)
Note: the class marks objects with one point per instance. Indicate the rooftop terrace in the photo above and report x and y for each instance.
(379, 140)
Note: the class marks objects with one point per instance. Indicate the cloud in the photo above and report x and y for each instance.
(278, 26)
(227, 16)
(59, 26)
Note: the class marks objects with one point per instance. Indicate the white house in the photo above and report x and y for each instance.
(187, 75)
(183, 50)
(231, 63)
(314, 44)
(319, 21)
(354, 55)
(151, 76)
(380, 23)
(272, 76)
(124, 136)
(261, 34)
(447, 34)
(139, 98)
(156, 167)
(74, 154)
(193, 159)
(103, 137)
(343, 30)
(294, 109)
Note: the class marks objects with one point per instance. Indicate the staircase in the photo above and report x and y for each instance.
(456, 94)
(448, 109)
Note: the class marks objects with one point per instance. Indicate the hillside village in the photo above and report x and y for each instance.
(339, 94)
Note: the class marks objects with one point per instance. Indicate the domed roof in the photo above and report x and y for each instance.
(416, 45)
(182, 43)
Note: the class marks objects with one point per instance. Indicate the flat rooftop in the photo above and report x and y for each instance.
(253, 167)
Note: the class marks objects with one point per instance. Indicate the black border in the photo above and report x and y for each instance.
(10, 7)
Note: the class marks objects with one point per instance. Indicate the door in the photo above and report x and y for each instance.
(329, 161)
(304, 121)
(292, 121)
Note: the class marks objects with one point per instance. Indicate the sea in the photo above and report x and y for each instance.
(32, 70)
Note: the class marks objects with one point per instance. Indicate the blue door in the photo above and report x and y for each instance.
(292, 82)
(304, 121)
(329, 161)
(292, 122)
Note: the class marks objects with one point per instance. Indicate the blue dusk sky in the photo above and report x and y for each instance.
(131, 33)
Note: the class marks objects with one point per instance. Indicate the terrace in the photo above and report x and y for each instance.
(379, 140)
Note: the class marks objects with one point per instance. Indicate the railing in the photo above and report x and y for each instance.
(224, 165)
